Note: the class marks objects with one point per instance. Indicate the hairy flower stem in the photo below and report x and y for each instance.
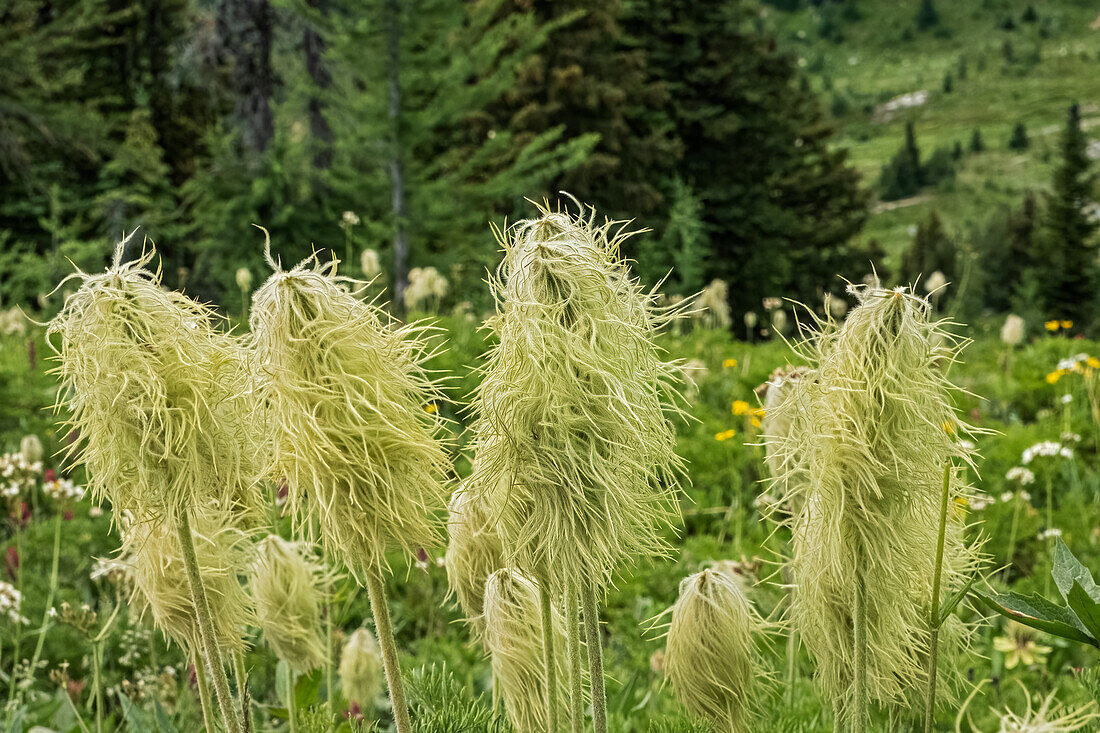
(206, 627)
(573, 644)
(49, 596)
(595, 658)
(934, 619)
(291, 702)
(242, 690)
(859, 678)
(204, 696)
(1012, 535)
(328, 645)
(376, 590)
(1050, 525)
(548, 658)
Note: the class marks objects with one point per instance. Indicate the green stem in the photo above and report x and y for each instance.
(328, 647)
(14, 678)
(548, 660)
(376, 590)
(97, 684)
(242, 690)
(204, 695)
(1050, 525)
(934, 619)
(50, 595)
(291, 701)
(207, 636)
(1012, 533)
(859, 679)
(595, 658)
(573, 649)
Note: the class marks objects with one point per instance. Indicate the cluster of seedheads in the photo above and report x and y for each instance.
(574, 476)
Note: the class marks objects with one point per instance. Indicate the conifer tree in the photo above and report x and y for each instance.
(780, 203)
(1066, 264)
(591, 77)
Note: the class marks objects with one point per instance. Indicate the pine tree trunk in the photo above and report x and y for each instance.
(397, 170)
(245, 33)
(318, 72)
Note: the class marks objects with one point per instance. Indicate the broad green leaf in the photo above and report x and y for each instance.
(136, 720)
(164, 723)
(1067, 569)
(306, 691)
(1085, 609)
(1038, 613)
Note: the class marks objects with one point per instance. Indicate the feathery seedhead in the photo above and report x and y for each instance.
(575, 439)
(711, 653)
(361, 668)
(864, 460)
(474, 552)
(159, 398)
(347, 391)
(161, 587)
(286, 583)
(513, 634)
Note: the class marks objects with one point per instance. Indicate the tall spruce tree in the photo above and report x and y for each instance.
(592, 78)
(458, 166)
(780, 204)
(1067, 266)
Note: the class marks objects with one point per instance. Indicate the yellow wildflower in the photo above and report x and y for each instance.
(1093, 362)
(1054, 376)
(725, 435)
(758, 412)
(1018, 645)
(755, 422)
(430, 408)
(729, 363)
(1051, 325)
(962, 505)
(740, 407)
(1066, 324)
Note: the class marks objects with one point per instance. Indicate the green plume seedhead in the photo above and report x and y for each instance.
(864, 458)
(361, 668)
(513, 634)
(286, 585)
(347, 391)
(712, 657)
(153, 553)
(474, 552)
(159, 398)
(575, 407)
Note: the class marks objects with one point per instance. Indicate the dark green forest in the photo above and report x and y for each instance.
(426, 121)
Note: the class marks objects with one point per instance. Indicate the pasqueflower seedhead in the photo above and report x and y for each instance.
(347, 390)
(159, 398)
(575, 432)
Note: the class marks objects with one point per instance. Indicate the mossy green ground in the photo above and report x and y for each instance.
(1010, 396)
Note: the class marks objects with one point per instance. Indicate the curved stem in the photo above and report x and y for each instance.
(573, 650)
(376, 590)
(934, 619)
(206, 627)
(291, 701)
(242, 690)
(548, 661)
(50, 595)
(204, 695)
(595, 658)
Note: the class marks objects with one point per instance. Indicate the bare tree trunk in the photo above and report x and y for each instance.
(315, 66)
(397, 171)
(245, 30)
